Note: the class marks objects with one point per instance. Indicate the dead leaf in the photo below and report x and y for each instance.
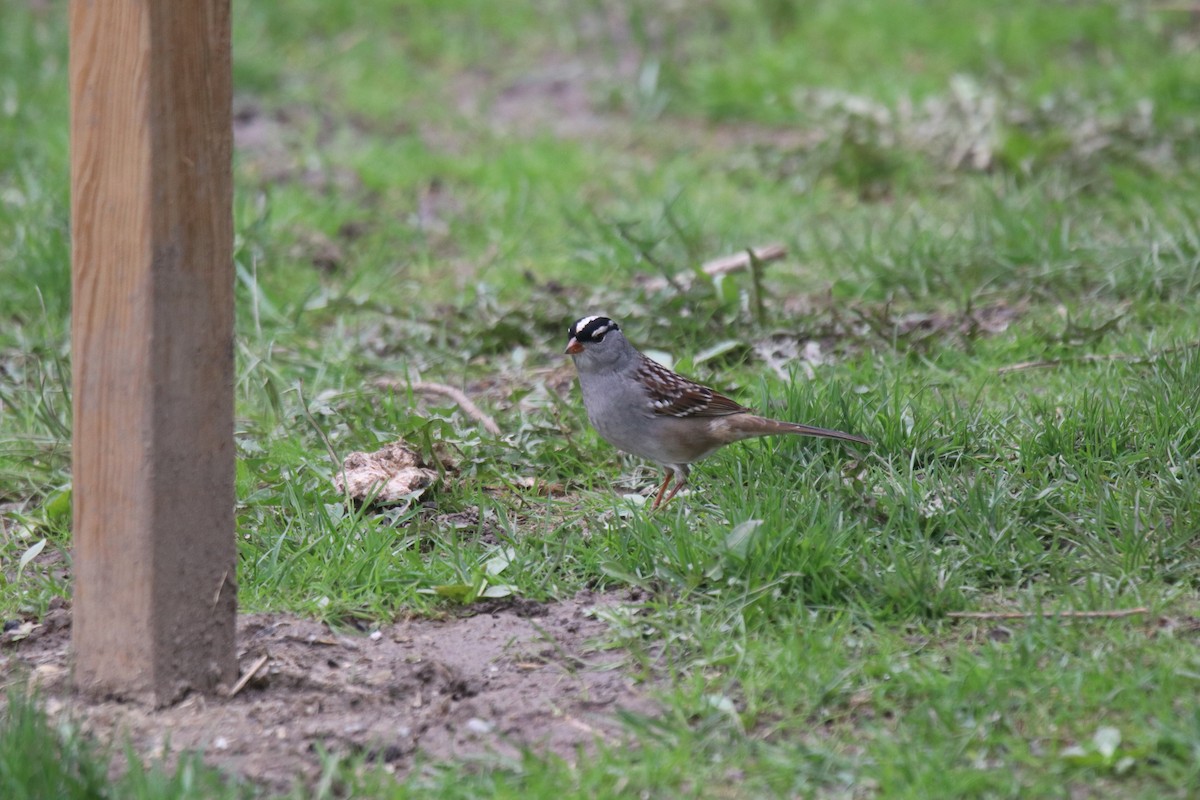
(22, 630)
(392, 474)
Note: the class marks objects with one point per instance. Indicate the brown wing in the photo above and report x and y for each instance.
(673, 395)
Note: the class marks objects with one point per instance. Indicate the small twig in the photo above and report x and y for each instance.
(220, 587)
(726, 265)
(457, 395)
(1123, 612)
(588, 729)
(1093, 358)
(314, 641)
(1090, 358)
(248, 675)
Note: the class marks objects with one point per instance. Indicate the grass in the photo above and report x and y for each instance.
(961, 187)
(37, 760)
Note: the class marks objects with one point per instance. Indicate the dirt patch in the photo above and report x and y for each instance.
(475, 687)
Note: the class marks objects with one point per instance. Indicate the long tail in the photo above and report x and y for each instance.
(745, 426)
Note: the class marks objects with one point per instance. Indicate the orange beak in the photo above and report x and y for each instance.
(574, 347)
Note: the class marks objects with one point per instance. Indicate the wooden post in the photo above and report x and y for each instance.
(152, 347)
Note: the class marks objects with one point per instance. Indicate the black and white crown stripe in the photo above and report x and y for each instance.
(592, 329)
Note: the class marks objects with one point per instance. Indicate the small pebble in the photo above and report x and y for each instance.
(477, 725)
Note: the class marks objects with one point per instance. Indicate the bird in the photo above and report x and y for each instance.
(640, 407)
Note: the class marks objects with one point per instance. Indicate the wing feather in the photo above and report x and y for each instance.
(672, 395)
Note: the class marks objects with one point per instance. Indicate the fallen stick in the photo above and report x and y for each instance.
(1094, 358)
(314, 641)
(727, 264)
(457, 395)
(249, 675)
(1123, 612)
(739, 261)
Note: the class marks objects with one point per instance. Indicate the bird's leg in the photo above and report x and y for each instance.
(679, 482)
(662, 490)
(681, 476)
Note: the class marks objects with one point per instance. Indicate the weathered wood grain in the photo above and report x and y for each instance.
(152, 347)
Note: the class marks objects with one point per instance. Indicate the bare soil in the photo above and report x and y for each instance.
(478, 687)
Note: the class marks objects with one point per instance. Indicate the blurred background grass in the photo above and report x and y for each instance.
(434, 190)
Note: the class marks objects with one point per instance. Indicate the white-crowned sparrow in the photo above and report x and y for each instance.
(643, 408)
